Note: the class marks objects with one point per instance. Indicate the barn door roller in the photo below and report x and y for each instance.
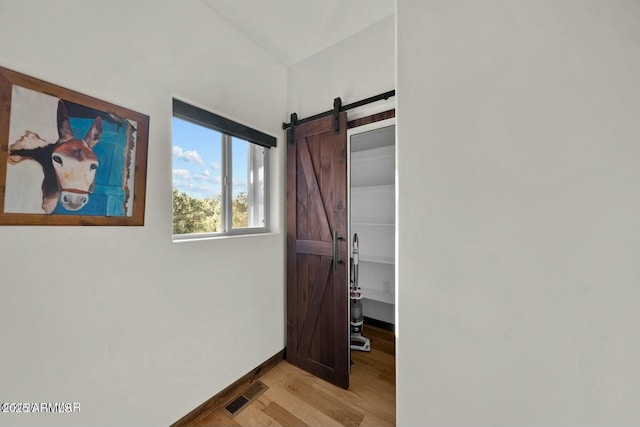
(337, 104)
(294, 122)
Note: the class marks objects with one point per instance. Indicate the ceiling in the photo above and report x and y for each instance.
(292, 30)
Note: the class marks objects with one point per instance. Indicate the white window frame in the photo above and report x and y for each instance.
(227, 193)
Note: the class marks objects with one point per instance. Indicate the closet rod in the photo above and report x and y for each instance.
(380, 97)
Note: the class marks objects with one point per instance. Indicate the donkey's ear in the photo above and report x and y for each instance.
(64, 127)
(94, 133)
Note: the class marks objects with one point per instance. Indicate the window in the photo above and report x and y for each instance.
(220, 175)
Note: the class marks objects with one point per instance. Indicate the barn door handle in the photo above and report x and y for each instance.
(336, 261)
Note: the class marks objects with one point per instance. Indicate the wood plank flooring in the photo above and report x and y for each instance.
(296, 398)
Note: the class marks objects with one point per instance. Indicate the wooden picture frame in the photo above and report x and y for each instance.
(68, 158)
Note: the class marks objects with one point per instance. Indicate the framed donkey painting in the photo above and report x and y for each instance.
(68, 158)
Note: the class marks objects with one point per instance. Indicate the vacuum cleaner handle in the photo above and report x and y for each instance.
(356, 256)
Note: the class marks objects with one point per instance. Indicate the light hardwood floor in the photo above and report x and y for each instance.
(296, 398)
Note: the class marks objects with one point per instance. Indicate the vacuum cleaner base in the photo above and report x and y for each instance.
(360, 343)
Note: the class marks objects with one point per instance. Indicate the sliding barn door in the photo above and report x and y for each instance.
(317, 252)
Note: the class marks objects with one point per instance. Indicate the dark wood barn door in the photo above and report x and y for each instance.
(317, 251)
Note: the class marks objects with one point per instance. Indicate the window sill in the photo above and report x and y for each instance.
(184, 238)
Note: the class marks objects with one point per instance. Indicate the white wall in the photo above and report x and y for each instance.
(356, 68)
(519, 183)
(137, 329)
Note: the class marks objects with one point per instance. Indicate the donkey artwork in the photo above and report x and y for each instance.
(69, 164)
(67, 158)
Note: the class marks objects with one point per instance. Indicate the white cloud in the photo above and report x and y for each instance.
(203, 184)
(199, 188)
(190, 156)
(181, 173)
(215, 166)
(205, 176)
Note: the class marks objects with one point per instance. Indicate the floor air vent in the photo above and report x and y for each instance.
(241, 402)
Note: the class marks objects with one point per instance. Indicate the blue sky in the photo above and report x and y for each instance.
(197, 160)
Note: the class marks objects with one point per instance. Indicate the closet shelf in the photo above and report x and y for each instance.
(381, 296)
(372, 224)
(377, 259)
(374, 188)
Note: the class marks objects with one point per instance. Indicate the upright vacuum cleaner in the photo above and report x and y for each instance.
(358, 342)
